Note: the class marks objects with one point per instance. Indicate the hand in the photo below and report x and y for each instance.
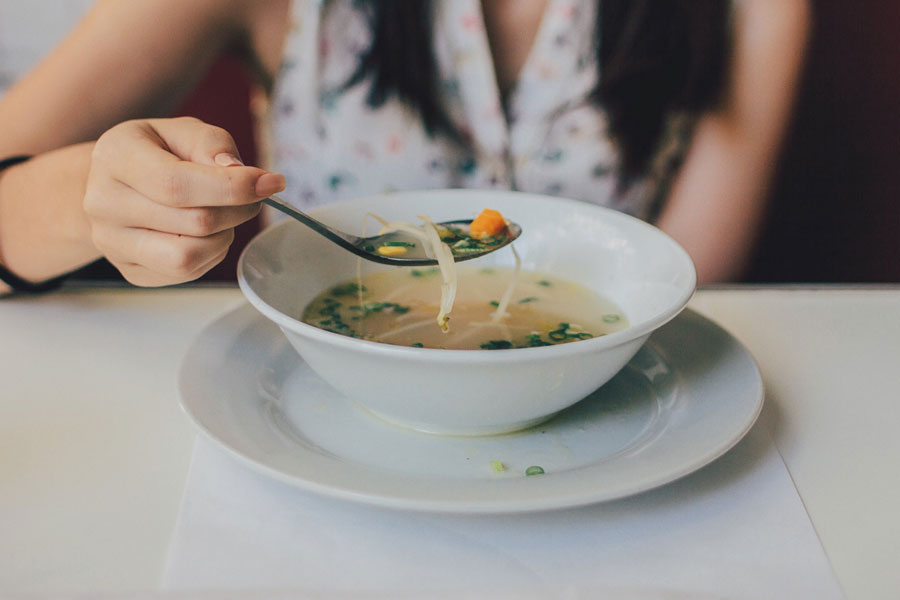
(164, 195)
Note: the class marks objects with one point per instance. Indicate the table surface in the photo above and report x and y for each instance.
(94, 449)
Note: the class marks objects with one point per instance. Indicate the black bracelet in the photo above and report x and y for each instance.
(8, 277)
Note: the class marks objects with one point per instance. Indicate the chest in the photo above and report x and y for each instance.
(511, 27)
(534, 131)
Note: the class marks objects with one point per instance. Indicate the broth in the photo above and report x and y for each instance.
(398, 307)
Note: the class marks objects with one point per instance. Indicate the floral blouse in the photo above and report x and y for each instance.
(331, 144)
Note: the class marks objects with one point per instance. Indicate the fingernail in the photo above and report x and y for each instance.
(224, 159)
(269, 183)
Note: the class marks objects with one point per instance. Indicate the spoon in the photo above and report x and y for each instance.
(462, 244)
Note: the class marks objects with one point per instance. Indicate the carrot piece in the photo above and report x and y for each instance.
(489, 222)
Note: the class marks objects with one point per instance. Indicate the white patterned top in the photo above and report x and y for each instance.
(331, 144)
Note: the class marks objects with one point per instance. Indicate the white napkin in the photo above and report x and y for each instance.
(735, 529)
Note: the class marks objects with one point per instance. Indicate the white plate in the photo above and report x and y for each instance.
(687, 397)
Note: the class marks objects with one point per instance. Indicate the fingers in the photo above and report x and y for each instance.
(163, 197)
(153, 258)
(132, 209)
(174, 164)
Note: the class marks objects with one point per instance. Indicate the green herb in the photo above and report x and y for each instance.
(329, 310)
(544, 283)
(562, 334)
(534, 470)
(400, 244)
(527, 300)
(347, 289)
(418, 345)
(558, 335)
(424, 272)
(534, 340)
(497, 345)
(373, 307)
(494, 303)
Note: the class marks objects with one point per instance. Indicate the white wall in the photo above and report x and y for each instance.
(29, 29)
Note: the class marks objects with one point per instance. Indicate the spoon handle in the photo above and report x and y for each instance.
(339, 237)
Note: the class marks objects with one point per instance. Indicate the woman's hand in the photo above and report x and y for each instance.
(164, 195)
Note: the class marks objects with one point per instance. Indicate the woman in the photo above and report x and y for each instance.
(672, 111)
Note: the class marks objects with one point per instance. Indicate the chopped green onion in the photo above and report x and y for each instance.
(400, 244)
(346, 289)
(534, 470)
(527, 300)
(418, 345)
(544, 283)
(534, 341)
(497, 345)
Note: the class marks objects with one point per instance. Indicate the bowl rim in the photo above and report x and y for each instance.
(593, 345)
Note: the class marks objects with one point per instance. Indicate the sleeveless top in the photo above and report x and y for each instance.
(330, 144)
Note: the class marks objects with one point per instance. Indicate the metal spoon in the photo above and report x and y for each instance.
(414, 254)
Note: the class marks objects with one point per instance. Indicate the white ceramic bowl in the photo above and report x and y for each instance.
(647, 274)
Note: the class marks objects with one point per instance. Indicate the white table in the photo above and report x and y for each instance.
(94, 449)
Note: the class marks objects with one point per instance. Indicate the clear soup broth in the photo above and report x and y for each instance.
(399, 307)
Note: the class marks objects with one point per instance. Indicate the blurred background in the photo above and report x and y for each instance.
(835, 203)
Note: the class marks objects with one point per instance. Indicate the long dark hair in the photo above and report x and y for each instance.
(655, 57)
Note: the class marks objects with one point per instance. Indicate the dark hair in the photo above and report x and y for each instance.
(656, 57)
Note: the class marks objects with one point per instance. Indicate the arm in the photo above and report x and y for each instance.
(43, 229)
(125, 60)
(717, 204)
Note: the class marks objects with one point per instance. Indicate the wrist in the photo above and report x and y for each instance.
(43, 229)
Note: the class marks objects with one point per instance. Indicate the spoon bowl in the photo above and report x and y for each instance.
(413, 251)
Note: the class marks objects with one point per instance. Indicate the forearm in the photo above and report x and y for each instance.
(718, 203)
(43, 228)
(716, 207)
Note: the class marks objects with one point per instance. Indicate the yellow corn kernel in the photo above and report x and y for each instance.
(391, 250)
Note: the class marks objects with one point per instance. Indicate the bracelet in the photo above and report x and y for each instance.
(8, 277)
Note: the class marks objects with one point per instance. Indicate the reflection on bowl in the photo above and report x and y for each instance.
(471, 392)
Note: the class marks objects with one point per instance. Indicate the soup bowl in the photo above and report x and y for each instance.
(473, 392)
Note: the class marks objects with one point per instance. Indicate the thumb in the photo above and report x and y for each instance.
(191, 139)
